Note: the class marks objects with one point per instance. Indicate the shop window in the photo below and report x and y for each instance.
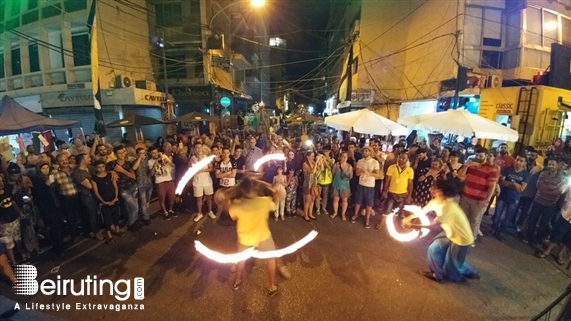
(34, 58)
(81, 50)
(168, 14)
(16, 62)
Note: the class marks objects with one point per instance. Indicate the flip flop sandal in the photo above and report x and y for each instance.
(236, 286)
(559, 261)
(276, 291)
(539, 255)
(333, 215)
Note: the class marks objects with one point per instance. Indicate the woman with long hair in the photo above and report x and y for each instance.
(310, 189)
(44, 192)
(342, 174)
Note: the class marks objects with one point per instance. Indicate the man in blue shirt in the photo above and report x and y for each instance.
(513, 180)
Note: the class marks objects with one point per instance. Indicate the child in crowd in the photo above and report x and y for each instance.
(280, 183)
(291, 193)
(107, 192)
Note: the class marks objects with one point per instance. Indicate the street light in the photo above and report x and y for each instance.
(253, 3)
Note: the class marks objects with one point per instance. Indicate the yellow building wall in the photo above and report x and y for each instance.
(406, 59)
(124, 44)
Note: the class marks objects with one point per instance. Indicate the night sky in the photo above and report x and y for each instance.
(301, 24)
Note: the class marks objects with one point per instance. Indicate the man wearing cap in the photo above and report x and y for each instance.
(368, 169)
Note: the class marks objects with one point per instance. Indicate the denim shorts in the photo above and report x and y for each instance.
(365, 196)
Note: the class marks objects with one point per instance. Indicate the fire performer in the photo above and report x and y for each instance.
(249, 204)
(447, 252)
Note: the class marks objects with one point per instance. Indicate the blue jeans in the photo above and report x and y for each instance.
(448, 260)
(130, 197)
(539, 214)
(145, 194)
(510, 207)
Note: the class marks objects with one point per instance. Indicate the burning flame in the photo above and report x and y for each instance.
(407, 237)
(191, 172)
(252, 252)
(268, 158)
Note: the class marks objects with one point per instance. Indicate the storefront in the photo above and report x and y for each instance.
(116, 103)
(538, 113)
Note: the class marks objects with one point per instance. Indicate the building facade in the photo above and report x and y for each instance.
(45, 60)
(411, 51)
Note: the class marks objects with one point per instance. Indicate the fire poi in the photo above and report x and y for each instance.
(191, 172)
(409, 236)
(268, 158)
(251, 252)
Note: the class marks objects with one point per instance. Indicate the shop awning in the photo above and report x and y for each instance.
(16, 119)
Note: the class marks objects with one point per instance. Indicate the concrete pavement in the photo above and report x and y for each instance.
(346, 273)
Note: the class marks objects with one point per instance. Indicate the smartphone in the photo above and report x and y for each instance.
(52, 178)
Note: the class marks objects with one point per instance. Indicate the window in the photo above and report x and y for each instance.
(14, 8)
(34, 57)
(176, 66)
(550, 29)
(511, 58)
(491, 59)
(32, 4)
(30, 17)
(533, 28)
(566, 31)
(513, 29)
(168, 14)
(473, 28)
(2, 72)
(75, 5)
(198, 64)
(81, 50)
(492, 26)
(16, 62)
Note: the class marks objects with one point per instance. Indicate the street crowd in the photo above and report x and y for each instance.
(98, 190)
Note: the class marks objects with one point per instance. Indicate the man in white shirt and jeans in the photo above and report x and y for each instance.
(162, 168)
(368, 169)
(202, 184)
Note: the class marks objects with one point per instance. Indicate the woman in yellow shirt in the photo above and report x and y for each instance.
(252, 225)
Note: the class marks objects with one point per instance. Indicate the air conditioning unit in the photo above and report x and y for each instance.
(215, 41)
(124, 82)
(494, 82)
(146, 84)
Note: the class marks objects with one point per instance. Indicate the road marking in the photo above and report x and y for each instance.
(62, 264)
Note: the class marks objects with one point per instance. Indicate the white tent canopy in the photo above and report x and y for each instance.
(460, 122)
(365, 121)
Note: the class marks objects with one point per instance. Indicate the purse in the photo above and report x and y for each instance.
(325, 177)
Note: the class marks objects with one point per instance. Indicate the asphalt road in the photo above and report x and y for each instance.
(346, 273)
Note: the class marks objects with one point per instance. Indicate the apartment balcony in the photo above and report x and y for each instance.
(240, 62)
(60, 76)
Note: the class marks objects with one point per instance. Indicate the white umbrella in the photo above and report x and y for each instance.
(365, 121)
(461, 122)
